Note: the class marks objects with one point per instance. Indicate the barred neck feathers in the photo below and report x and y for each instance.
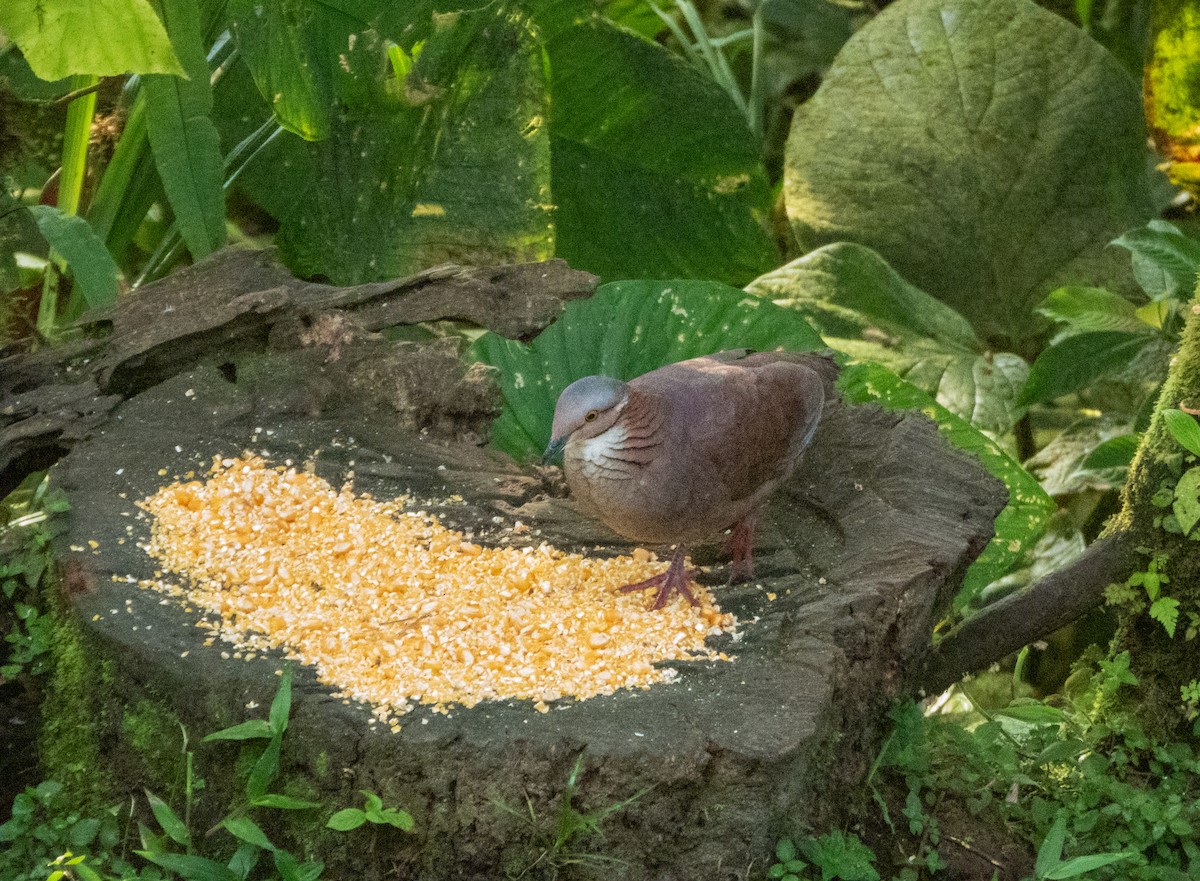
(632, 442)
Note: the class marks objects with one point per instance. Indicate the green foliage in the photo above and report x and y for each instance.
(374, 812)
(1165, 261)
(186, 147)
(291, 51)
(562, 840)
(1052, 867)
(471, 186)
(28, 560)
(45, 826)
(949, 137)
(1184, 428)
(1103, 333)
(1025, 517)
(1079, 360)
(451, 151)
(1162, 608)
(1186, 505)
(832, 855)
(64, 37)
(1078, 780)
(406, 139)
(45, 832)
(30, 640)
(638, 136)
(73, 239)
(862, 306)
(1172, 87)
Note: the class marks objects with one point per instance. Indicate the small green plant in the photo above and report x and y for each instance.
(252, 842)
(374, 812)
(30, 529)
(45, 836)
(788, 865)
(44, 828)
(557, 844)
(1189, 694)
(1076, 775)
(1051, 866)
(30, 640)
(1163, 609)
(832, 855)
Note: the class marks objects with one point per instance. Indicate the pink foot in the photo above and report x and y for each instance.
(741, 547)
(677, 579)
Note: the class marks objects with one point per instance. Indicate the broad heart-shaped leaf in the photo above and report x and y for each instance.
(91, 265)
(1080, 360)
(988, 151)
(862, 306)
(452, 164)
(655, 174)
(1028, 511)
(98, 37)
(186, 147)
(625, 329)
(291, 48)
(1165, 261)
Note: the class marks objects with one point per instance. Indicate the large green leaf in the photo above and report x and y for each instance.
(452, 163)
(99, 37)
(861, 306)
(988, 151)
(292, 48)
(1080, 360)
(1091, 309)
(91, 266)
(626, 329)
(655, 174)
(186, 147)
(1165, 261)
(1022, 521)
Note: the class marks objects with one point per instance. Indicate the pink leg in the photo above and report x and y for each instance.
(676, 579)
(741, 546)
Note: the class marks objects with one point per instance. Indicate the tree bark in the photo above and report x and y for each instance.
(1162, 663)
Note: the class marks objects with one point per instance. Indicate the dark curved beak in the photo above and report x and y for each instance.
(553, 449)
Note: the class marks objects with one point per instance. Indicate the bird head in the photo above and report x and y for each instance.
(587, 407)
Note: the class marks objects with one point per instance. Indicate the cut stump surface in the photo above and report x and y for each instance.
(862, 550)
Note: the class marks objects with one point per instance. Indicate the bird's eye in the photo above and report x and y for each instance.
(591, 416)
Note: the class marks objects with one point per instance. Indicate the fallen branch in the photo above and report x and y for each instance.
(1029, 614)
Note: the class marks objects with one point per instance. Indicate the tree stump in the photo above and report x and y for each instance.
(862, 549)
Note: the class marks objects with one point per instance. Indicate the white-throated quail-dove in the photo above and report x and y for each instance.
(687, 451)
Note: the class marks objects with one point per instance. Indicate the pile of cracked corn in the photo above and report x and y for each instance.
(392, 608)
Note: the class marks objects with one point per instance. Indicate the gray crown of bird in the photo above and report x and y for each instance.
(687, 451)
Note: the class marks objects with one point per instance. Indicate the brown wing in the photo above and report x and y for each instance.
(741, 421)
